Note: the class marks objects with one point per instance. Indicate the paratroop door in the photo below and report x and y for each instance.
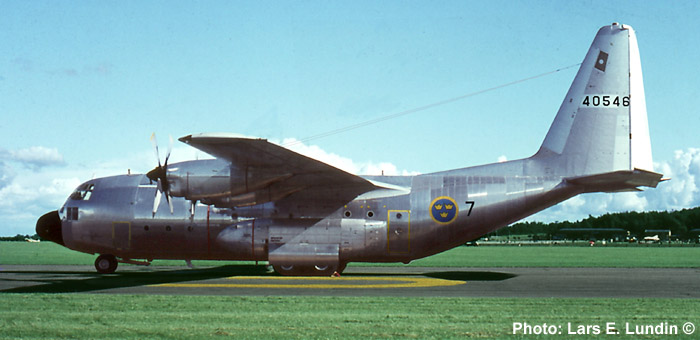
(399, 231)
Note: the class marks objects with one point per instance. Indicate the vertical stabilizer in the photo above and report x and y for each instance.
(602, 124)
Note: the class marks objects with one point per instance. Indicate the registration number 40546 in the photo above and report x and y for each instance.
(605, 101)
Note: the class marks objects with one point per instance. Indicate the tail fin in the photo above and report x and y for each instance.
(601, 126)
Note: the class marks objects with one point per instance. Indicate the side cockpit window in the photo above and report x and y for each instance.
(71, 213)
(83, 192)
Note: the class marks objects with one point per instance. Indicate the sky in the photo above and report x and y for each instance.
(84, 84)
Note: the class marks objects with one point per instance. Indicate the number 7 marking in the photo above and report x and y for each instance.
(471, 206)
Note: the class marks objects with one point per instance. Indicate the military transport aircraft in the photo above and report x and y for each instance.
(259, 201)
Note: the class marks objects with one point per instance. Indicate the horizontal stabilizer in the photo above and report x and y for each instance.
(624, 180)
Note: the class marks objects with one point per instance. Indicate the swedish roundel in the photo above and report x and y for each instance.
(444, 210)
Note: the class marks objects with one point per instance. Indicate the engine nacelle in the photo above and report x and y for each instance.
(200, 179)
(218, 182)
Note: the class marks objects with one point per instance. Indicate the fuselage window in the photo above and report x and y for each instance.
(72, 213)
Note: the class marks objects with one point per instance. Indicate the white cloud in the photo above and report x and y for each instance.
(26, 195)
(682, 190)
(628, 201)
(574, 203)
(7, 173)
(344, 163)
(30, 195)
(36, 156)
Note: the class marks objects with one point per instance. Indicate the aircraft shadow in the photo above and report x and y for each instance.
(471, 276)
(450, 275)
(80, 281)
(56, 282)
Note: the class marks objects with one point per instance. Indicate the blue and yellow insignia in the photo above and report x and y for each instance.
(444, 210)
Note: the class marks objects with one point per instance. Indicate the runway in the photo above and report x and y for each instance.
(360, 281)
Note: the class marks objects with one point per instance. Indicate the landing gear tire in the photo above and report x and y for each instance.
(317, 270)
(287, 269)
(323, 270)
(106, 264)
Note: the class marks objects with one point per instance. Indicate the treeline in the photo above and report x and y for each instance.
(679, 222)
(19, 237)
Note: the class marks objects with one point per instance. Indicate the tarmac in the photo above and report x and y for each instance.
(242, 280)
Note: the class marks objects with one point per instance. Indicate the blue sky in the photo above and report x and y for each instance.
(84, 84)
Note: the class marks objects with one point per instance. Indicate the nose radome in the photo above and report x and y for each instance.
(49, 228)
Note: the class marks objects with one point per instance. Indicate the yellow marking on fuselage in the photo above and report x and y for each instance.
(323, 282)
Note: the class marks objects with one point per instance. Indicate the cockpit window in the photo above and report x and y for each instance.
(83, 192)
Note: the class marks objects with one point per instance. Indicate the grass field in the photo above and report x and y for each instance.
(93, 316)
(483, 256)
(50, 316)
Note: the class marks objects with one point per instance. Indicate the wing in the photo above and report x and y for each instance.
(298, 185)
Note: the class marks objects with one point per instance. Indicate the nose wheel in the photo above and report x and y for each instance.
(106, 264)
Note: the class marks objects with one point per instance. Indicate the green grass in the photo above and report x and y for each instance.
(483, 256)
(40, 316)
(565, 256)
(49, 316)
(41, 253)
(26, 253)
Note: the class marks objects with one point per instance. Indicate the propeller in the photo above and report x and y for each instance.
(160, 176)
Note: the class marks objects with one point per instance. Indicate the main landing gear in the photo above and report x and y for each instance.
(317, 270)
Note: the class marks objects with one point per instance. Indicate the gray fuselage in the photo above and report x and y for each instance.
(385, 225)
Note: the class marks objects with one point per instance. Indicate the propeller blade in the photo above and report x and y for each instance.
(192, 205)
(155, 146)
(170, 149)
(156, 202)
(170, 202)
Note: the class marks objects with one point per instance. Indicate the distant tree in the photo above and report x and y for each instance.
(679, 222)
(19, 237)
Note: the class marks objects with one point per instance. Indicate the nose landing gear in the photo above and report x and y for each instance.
(106, 264)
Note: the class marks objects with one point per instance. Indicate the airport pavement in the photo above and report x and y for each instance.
(360, 281)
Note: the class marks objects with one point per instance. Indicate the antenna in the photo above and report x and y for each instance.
(422, 108)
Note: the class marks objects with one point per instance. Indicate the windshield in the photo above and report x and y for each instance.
(83, 192)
